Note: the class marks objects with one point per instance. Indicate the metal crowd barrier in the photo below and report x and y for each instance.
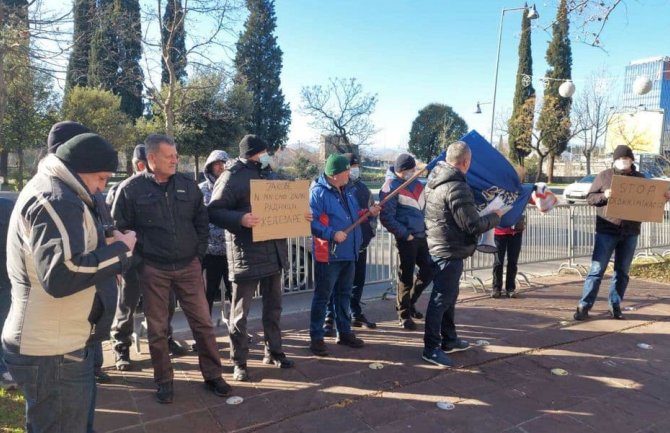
(564, 234)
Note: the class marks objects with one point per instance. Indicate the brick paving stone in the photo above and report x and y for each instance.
(199, 421)
(553, 423)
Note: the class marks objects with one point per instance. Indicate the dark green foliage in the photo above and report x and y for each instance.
(436, 126)
(130, 77)
(173, 41)
(559, 59)
(259, 63)
(105, 54)
(521, 122)
(77, 68)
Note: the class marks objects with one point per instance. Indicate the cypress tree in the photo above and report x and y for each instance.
(259, 61)
(130, 77)
(554, 118)
(174, 35)
(104, 60)
(521, 122)
(77, 68)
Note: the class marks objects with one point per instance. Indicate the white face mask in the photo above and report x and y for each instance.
(265, 159)
(354, 173)
(408, 174)
(623, 164)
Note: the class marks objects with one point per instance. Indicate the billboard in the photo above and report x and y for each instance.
(640, 130)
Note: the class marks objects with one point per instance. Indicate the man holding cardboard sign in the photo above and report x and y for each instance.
(617, 231)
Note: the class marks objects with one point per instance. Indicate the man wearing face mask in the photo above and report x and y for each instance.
(612, 236)
(364, 199)
(250, 264)
(403, 216)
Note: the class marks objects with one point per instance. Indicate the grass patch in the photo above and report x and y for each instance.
(12, 411)
(651, 270)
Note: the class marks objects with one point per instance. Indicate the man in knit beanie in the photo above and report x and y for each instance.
(613, 236)
(63, 131)
(335, 252)
(58, 261)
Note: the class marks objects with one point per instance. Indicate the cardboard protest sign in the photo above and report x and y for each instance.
(282, 206)
(637, 199)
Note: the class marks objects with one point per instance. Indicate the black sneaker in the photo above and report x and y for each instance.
(102, 377)
(495, 294)
(457, 346)
(329, 329)
(350, 340)
(278, 359)
(615, 312)
(408, 324)
(175, 348)
(122, 359)
(165, 392)
(360, 321)
(582, 313)
(240, 373)
(318, 347)
(218, 386)
(415, 314)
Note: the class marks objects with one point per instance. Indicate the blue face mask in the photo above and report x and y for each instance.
(265, 159)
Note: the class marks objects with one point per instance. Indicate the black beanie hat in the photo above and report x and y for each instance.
(251, 144)
(621, 151)
(140, 153)
(62, 132)
(403, 162)
(88, 153)
(353, 158)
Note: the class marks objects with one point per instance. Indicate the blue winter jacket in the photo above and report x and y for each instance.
(333, 211)
(403, 214)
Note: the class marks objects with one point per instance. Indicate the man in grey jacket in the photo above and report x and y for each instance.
(58, 259)
(452, 226)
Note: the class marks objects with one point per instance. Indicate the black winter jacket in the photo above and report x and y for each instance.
(231, 199)
(596, 197)
(452, 221)
(170, 220)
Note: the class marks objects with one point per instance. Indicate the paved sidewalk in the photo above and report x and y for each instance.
(613, 383)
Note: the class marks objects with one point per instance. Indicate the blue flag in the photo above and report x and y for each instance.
(490, 175)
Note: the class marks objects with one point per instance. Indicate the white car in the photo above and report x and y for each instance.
(577, 191)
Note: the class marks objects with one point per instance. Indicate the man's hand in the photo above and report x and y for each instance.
(667, 195)
(128, 238)
(250, 220)
(375, 209)
(308, 216)
(499, 212)
(340, 237)
(410, 237)
(608, 193)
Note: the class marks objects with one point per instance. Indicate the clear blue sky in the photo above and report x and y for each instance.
(414, 52)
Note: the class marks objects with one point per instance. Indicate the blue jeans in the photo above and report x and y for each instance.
(59, 390)
(336, 278)
(442, 304)
(623, 248)
(356, 291)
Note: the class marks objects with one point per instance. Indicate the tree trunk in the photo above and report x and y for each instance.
(197, 166)
(538, 175)
(4, 165)
(19, 176)
(588, 163)
(550, 168)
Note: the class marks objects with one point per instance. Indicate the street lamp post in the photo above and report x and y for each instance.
(532, 14)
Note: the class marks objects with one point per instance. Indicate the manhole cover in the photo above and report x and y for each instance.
(376, 366)
(445, 405)
(482, 343)
(559, 372)
(234, 400)
(645, 346)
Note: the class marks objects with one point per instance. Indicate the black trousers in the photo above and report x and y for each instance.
(413, 254)
(510, 245)
(216, 269)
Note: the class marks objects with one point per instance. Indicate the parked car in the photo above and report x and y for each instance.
(576, 192)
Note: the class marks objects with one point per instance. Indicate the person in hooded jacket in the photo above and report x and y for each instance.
(215, 263)
(613, 236)
(403, 215)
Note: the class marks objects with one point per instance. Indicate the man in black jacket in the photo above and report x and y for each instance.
(166, 210)
(250, 264)
(612, 236)
(452, 227)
